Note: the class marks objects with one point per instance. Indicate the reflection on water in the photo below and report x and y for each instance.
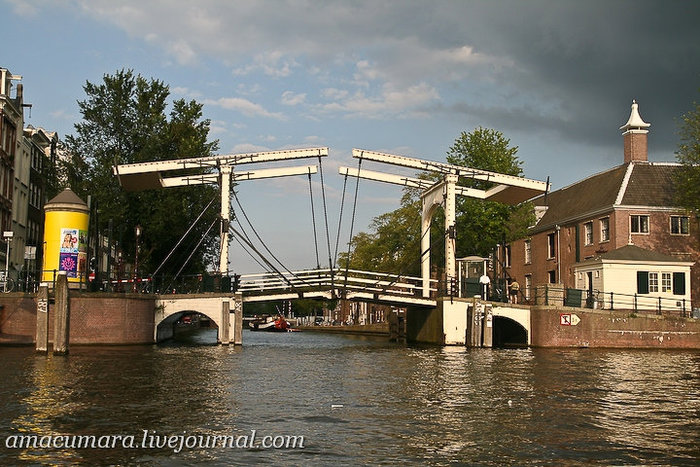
(358, 401)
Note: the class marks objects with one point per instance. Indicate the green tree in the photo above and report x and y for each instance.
(394, 243)
(483, 224)
(688, 154)
(124, 121)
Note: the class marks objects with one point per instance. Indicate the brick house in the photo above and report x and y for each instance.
(631, 204)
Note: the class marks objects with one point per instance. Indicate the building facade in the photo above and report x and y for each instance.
(26, 154)
(42, 146)
(11, 123)
(631, 204)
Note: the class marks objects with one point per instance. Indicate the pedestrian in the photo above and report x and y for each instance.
(514, 290)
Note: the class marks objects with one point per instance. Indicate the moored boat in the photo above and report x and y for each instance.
(270, 324)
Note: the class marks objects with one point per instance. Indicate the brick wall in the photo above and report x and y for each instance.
(94, 319)
(635, 147)
(17, 319)
(612, 329)
(683, 247)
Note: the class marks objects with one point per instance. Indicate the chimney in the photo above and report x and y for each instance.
(635, 136)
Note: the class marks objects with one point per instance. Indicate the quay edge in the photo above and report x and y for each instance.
(119, 319)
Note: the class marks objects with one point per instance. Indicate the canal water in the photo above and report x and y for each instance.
(355, 401)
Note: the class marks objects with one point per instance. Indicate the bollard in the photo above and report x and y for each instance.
(42, 318)
(238, 322)
(61, 328)
(224, 332)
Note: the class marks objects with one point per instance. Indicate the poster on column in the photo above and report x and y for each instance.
(72, 252)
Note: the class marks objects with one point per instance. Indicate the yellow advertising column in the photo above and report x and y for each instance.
(66, 237)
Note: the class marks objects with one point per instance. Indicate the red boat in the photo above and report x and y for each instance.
(269, 324)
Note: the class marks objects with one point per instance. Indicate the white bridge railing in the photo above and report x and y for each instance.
(320, 282)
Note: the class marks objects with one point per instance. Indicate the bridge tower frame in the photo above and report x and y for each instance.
(215, 170)
(507, 189)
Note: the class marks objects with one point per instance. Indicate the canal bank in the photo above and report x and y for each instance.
(126, 319)
(473, 323)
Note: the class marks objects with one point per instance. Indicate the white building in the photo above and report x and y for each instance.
(631, 277)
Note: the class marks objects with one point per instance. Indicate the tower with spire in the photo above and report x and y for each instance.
(634, 134)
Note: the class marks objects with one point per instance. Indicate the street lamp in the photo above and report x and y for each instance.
(7, 235)
(136, 256)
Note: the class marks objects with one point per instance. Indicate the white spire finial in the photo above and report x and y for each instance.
(635, 121)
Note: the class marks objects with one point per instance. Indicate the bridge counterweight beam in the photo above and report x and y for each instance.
(225, 215)
(450, 233)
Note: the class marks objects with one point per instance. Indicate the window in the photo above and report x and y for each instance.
(588, 233)
(605, 229)
(639, 224)
(653, 282)
(528, 251)
(550, 246)
(648, 282)
(528, 286)
(506, 259)
(552, 277)
(680, 225)
(665, 282)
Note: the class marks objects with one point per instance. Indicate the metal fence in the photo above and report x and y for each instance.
(192, 283)
(597, 299)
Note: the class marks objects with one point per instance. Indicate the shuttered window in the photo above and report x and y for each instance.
(678, 283)
(642, 282)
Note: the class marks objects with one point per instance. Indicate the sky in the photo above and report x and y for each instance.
(406, 77)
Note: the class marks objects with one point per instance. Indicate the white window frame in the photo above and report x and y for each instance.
(551, 246)
(666, 282)
(605, 229)
(528, 285)
(679, 225)
(653, 282)
(528, 251)
(642, 227)
(588, 233)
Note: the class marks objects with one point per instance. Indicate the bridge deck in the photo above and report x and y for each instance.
(383, 288)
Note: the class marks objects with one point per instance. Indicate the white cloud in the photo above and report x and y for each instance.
(313, 139)
(276, 64)
(268, 138)
(248, 89)
(412, 101)
(245, 148)
(244, 106)
(23, 8)
(185, 92)
(217, 127)
(292, 98)
(334, 93)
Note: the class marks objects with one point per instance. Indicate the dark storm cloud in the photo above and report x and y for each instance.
(593, 58)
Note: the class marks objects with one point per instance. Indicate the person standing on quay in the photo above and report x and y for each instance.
(514, 290)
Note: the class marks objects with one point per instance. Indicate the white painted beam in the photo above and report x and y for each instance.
(443, 168)
(411, 182)
(213, 179)
(217, 161)
(276, 172)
